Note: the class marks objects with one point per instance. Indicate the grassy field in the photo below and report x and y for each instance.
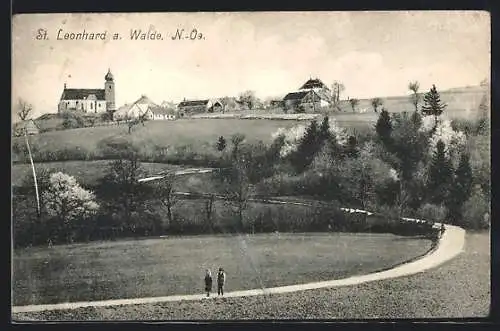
(168, 266)
(457, 289)
(183, 136)
(86, 172)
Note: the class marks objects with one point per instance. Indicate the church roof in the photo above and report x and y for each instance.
(81, 94)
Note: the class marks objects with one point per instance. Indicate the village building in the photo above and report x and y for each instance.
(200, 106)
(136, 109)
(146, 108)
(89, 100)
(162, 113)
(312, 96)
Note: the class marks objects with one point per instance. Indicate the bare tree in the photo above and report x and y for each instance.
(415, 97)
(249, 99)
(165, 192)
(133, 121)
(337, 89)
(209, 211)
(376, 102)
(24, 109)
(234, 180)
(354, 102)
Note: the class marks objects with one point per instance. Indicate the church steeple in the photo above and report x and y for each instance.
(109, 76)
(109, 91)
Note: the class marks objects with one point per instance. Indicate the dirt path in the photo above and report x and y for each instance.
(450, 245)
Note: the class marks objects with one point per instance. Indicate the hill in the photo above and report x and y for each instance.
(461, 101)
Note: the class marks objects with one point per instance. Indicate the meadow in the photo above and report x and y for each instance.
(432, 294)
(187, 136)
(174, 265)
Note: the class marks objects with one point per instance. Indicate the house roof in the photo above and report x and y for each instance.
(81, 94)
(193, 103)
(295, 95)
(159, 110)
(313, 83)
(145, 100)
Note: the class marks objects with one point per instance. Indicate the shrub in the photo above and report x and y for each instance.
(432, 212)
(476, 211)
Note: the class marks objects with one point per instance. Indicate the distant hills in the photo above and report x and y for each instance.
(459, 99)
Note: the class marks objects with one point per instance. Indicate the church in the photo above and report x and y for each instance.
(89, 100)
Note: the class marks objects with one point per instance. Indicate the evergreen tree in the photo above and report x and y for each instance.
(462, 188)
(440, 175)
(432, 104)
(416, 120)
(307, 148)
(384, 127)
(221, 144)
(324, 130)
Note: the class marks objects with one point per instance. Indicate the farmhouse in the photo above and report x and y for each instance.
(200, 106)
(89, 100)
(162, 113)
(311, 96)
(141, 107)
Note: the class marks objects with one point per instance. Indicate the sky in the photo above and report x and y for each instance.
(272, 53)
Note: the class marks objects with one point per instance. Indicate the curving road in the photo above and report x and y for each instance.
(449, 246)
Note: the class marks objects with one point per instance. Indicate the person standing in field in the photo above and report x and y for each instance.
(221, 279)
(208, 282)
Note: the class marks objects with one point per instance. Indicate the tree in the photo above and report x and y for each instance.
(324, 130)
(376, 102)
(415, 97)
(408, 144)
(384, 127)
(440, 176)
(249, 99)
(72, 120)
(133, 121)
(461, 189)
(433, 105)
(68, 202)
(236, 140)
(24, 109)
(234, 181)
(307, 148)
(354, 103)
(483, 126)
(121, 187)
(209, 212)
(337, 89)
(221, 144)
(166, 194)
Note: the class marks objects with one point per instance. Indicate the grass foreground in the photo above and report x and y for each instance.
(457, 289)
(172, 266)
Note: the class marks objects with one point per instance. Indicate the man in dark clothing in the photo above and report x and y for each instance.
(221, 279)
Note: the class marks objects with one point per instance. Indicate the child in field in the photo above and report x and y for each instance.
(221, 279)
(208, 282)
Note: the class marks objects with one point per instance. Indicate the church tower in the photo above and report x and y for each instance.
(109, 92)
